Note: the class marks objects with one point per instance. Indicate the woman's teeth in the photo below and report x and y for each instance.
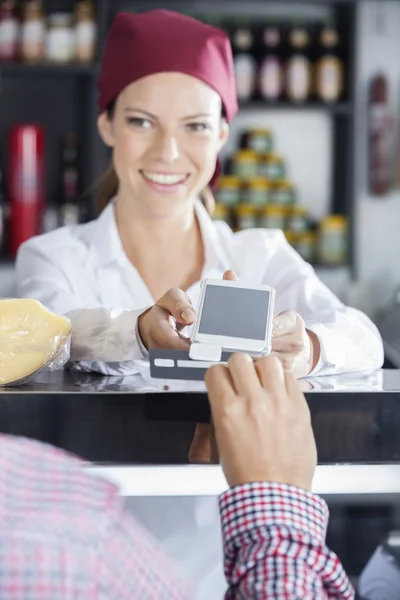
(164, 179)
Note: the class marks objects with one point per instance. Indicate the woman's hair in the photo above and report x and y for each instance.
(107, 185)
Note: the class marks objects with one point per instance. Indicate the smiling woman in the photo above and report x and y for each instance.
(164, 153)
(130, 280)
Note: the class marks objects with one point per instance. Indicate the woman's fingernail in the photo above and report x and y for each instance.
(188, 314)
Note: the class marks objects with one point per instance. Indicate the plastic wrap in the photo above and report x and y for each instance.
(32, 338)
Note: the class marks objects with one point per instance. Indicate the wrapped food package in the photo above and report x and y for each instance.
(31, 338)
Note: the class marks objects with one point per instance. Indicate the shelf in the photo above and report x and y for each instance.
(338, 108)
(23, 69)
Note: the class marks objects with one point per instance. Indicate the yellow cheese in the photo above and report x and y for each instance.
(30, 337)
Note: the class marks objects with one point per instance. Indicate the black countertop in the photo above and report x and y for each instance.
(136, 420)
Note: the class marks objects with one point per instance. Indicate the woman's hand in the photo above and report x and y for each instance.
(297, 348)
(162, 325)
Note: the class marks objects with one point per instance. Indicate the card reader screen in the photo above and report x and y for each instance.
(235, 312)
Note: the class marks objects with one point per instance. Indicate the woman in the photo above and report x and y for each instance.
(167, 94)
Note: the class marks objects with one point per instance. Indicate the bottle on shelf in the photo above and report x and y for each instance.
(33, 32)
(242, 40)
(60, 39)
(70, 213)
(381, 148)
(329, 68)
(26, 182)
(298, 82)
(271, 75)
(242, 36)
(9, 31)
(85, 31)
(332, 241)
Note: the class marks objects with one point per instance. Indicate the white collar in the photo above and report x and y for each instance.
(107, 247)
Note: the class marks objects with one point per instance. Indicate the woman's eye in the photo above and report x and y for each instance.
(139, 122)
(198, 127)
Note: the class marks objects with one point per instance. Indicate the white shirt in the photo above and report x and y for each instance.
(83, 272)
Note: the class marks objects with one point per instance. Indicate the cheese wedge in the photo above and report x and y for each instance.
(30, 338)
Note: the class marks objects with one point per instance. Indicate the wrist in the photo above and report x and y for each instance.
(268, 504)
(141, 327)
(315, 350)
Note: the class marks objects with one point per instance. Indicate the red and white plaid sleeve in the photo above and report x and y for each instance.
(274, 540)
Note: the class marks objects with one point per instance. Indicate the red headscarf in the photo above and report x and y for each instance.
(158, 41)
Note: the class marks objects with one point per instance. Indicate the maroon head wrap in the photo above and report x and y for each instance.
(158, 41)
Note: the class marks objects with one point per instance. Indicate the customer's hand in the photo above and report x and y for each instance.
(297, 348)
(162, 325)
(262, 423)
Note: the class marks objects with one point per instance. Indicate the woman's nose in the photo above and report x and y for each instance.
(166, 147)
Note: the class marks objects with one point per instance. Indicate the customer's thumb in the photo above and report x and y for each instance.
(230, 276)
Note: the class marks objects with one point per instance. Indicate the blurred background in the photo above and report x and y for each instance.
(315, 149)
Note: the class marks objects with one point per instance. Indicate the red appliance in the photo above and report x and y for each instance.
(25, 182)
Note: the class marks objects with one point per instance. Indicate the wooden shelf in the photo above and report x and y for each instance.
(337, 108)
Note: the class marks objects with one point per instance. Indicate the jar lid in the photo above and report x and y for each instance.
(220, 209)
(298, 211)
(275, 210)
(260, 131)
(229, 181)
(283, 184)
(244, 210)
(307, 236)
(334, 221)
(60, 20)
(245, 154)
(291, 236)
(273, 158)
(258, 183)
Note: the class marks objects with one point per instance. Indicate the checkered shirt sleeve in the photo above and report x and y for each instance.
(274, 540)
(64, 535)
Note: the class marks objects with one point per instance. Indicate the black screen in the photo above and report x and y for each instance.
(235, 312)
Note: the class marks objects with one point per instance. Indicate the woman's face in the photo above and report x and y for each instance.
(166, 133)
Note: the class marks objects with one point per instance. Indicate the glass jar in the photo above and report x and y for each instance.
(259, 141)
(272, 167)
(60, 46)
(306, 246)
(291, 237)
(245, 164)
(298, 219)
(85, 32)
(33, 32)
(222, 213)
(228, 192)
(256, 192)
(273, 217)
(246, 216)
(332, 240)
(282, 193)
